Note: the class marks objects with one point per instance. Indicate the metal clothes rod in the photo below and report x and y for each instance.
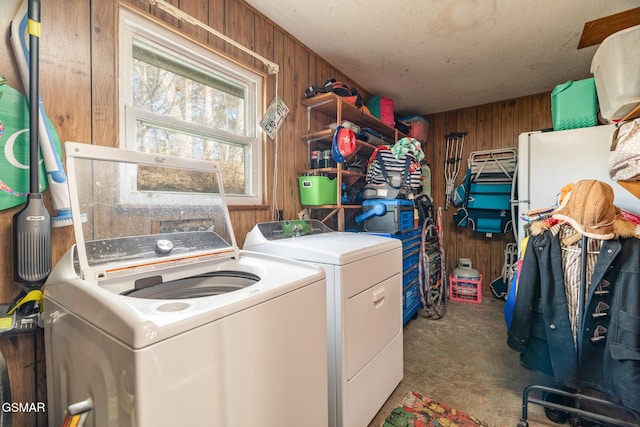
(272, 67)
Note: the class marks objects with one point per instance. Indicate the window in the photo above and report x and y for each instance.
(179, 98)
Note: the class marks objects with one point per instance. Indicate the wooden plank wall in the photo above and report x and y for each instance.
(79, 89)
(491, 126)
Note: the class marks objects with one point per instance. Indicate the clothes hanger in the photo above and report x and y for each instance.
(571, 240)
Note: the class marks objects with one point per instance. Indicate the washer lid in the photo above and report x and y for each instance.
(312, 241)
(137, 213)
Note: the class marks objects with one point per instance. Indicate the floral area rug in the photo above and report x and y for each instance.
(420, 411)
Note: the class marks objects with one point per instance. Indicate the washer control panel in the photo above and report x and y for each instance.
(152, 246)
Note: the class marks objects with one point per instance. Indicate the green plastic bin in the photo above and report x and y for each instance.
(574, 104)
(317, 190)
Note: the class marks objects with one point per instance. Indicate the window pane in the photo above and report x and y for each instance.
(183, 99)
(231, 157)
(164, 85)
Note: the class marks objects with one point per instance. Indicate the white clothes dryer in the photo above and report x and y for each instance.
(364, 310)
(156, 318)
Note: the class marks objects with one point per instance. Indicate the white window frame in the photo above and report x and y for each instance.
(134, 26)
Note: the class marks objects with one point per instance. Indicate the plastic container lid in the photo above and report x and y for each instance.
(615, 68)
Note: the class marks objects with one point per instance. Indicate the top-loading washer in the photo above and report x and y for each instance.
(156, 318)
(364, 310)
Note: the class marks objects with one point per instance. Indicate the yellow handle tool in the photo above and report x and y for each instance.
(25, 297)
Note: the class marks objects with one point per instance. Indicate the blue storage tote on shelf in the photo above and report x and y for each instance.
(397, 217)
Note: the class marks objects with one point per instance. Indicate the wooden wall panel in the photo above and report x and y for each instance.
(266, 45)
(496, 125)
(215, 21)
(242, 219)
(160, 14)
(104, 82)
(239, 26)
(79, 84)
(451, 232)
(521, 116)
(275, 179)
(199, 9)
(483, 255)
(294, 148)
(541, 112)
(438, 132)
(465, 240)
(289, 161)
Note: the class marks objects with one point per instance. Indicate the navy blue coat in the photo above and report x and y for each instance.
(608, 354)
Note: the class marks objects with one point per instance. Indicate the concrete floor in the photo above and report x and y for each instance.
(464, 362)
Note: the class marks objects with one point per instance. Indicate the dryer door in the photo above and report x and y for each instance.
(373, 318)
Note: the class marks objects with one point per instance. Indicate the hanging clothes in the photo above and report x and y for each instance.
(605, 355)
(571, 266)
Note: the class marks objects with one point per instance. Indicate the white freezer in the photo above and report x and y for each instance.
(547, 161)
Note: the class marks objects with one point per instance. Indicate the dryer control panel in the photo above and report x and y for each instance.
(295, 228)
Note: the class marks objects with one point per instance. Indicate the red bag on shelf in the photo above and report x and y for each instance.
(382, 108)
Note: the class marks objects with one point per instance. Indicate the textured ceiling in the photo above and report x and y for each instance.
(440, 55)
